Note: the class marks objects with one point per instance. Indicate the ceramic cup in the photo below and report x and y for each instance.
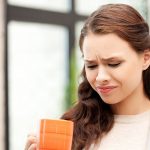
(55, 134)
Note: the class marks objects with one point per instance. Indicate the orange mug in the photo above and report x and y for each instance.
(55, 134)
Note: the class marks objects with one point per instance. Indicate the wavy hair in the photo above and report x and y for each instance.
(91, 116)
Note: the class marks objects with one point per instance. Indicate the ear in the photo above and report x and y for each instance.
(146, 59)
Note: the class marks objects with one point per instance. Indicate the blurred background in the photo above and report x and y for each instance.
(40, 61)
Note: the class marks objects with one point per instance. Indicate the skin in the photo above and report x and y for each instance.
(31, 143)
(124, 72)
(111, 61)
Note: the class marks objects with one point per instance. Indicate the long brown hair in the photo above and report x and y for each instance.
(91, 116)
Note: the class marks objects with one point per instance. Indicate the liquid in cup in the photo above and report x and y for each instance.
(55, 134)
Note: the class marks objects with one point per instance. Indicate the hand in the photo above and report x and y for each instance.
(31, 143)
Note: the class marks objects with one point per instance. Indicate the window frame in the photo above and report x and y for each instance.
(25, 14)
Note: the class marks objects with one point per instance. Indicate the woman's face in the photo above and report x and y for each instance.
(113, 68)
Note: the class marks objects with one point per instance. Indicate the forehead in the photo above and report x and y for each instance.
(106, 45)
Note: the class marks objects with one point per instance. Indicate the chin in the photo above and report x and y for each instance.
(110, 101)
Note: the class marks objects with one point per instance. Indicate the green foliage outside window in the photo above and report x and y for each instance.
(71, 89)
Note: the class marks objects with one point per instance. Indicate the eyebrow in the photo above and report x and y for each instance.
(103, 59)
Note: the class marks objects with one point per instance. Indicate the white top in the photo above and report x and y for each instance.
(130, 132)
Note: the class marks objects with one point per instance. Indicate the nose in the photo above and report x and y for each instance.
(103, 76)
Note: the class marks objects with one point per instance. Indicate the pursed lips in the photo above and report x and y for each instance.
(105, 89)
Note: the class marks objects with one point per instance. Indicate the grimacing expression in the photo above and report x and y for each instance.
(113, 68)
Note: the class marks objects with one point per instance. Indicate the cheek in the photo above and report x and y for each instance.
(91, 76)
(134, 78)
(129, 76)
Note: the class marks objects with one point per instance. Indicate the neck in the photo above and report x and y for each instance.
(136, 103)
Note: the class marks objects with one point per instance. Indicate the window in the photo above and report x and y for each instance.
(37, 76)
(55, 5)
(83, 5)
(42, 45)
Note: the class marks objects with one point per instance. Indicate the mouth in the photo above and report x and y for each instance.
(106, 89)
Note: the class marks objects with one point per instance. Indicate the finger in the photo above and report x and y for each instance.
(33, 147)
(30, 140)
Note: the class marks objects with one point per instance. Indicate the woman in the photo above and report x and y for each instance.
(113, 111)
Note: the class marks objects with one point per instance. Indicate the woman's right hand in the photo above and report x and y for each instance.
(31, 143)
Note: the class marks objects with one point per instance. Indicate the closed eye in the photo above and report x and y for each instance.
(92, 66)
(114, 65)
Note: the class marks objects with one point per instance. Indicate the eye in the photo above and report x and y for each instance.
(114, 65)
(91, 66)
